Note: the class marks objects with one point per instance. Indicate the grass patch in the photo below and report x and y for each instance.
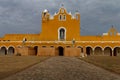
(106, 62)
(12, 64)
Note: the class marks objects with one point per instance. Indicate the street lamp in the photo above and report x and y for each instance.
(24, 41)
(73, 42)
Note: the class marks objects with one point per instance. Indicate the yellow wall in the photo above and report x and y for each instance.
(50, 27)
(49, 32)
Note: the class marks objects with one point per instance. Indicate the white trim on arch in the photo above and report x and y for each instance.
(11, 46)
(59, 32)
(4, 46)
(116, 47)
(79, 46)
(89, 46)
(108, 47)
(100, 47)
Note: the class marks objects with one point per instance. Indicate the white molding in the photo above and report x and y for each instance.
(59, 32)
(99, 47)
(105, 34)
(89, 46)
(116, 47)
(62, 41)
(108, 47)
(4, 46)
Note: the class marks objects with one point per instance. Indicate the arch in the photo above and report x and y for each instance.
(4, 46)
(107, 46)
(62, 33)
(81, 51)
(116, 51)
(89, 51)
(11, 46)
(11, 50)
(36, 50)
(61, 51)
(98, 51)
(99, 46)
(80, 48)
(89, 46)
(108, 51)
(3, 51)
(19, 46)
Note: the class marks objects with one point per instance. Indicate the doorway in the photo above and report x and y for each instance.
(36, 50)
(89, 51)
(61, 51)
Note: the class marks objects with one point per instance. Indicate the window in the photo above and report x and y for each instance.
(62, 33)
(52, 46)
(68, 46)
(60, 17)
(43, 46)
(64, 17)
(44, 14)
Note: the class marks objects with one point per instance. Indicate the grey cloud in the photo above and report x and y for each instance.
(23, 16)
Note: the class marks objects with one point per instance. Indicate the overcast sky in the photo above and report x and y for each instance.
(24, 16)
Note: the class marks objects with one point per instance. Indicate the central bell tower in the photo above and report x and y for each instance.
(62, 26)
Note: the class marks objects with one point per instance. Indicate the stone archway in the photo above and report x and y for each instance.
(11, 50)
(36, 50)
(81, 51)
(89, 51)
(61, 51)
(108, 51)
(116, 51)
(98, 51)
(3, 51)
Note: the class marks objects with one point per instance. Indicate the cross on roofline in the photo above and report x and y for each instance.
(62, 5)
(112, 26)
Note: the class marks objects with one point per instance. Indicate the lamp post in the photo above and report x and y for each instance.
(73, 42)
(24, 41)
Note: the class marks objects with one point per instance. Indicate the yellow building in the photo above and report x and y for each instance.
(60, 36)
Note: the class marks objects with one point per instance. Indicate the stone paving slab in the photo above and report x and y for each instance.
(64, 68)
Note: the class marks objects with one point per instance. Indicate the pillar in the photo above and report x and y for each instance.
(93, 51)
(112, 52)
(84, 51)
(103, 52)
(6, 51)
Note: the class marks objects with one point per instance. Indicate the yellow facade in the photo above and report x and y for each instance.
(62, 31)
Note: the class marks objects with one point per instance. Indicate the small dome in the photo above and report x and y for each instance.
(45, 10)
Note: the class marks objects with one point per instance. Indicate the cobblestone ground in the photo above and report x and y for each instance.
(64, 68)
